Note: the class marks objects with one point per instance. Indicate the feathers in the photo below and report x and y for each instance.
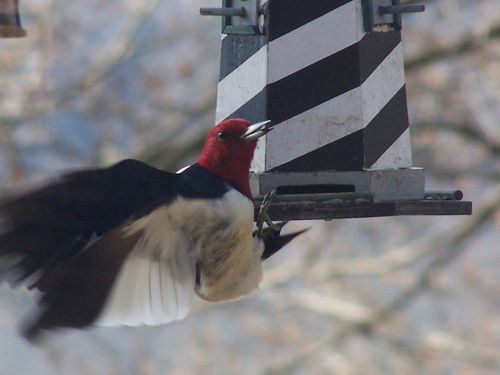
(76, 289)
(131, 244)
(56, 222)
(64, 236)
(156, 282)
(274, 240)
(229, 157)
(228, 258)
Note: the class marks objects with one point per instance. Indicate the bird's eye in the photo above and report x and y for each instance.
(223, 136)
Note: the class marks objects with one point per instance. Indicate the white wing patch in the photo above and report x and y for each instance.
(156, 282)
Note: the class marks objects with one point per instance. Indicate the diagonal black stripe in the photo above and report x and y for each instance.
(329, 77)
(313, 85)
(345, 154)
(374, 48)
(360, 149)
(253, 110)
(288, 15)
(236, 49)
(385, 128)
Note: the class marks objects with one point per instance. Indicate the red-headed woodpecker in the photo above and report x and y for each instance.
(131, 244)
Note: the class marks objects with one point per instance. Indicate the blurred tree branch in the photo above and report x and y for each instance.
(444, 247)
(484, 357)
(100, 68)
(472, 33)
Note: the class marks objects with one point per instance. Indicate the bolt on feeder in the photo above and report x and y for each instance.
(10, 21)
(331, 79)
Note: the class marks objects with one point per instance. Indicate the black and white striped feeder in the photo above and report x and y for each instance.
(330, 77)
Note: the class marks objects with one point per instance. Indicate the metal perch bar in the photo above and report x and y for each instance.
(224, 12)
(400, 9)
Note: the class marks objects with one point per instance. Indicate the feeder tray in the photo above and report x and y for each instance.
(329, 206)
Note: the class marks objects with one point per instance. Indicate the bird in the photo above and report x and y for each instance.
(131, 244)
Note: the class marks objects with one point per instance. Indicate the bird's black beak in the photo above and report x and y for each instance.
(256, 131)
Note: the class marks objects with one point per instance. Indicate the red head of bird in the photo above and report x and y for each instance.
(229, 150)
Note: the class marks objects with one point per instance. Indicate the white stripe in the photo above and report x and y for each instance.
(335, 118)
(382, 84)
(337, 32)
(259, 156)
(312, 42)
(398, 155)
(314, 128)
(241, 85)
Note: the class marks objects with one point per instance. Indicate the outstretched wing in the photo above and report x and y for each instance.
(49, 225)
(116, 281)
(69, 237)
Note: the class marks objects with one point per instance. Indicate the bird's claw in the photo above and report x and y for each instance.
(263, 216)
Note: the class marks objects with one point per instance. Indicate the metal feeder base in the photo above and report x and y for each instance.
(328, 195)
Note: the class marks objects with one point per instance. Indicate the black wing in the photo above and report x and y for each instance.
(49, 225)
(43, 230)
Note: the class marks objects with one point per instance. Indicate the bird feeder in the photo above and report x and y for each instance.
(330, 77)
(10, 21)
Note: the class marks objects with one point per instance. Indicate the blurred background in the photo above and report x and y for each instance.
(97, 81)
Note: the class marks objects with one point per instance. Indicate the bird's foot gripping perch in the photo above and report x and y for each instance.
(263, 216)
(271, 235)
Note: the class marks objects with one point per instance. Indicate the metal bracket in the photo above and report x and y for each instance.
(382, 184)
(386, 12)
(238, 16)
